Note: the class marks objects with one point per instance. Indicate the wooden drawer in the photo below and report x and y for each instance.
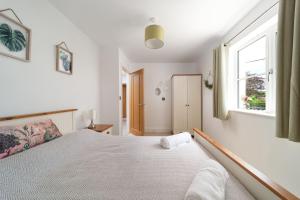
(103, 128)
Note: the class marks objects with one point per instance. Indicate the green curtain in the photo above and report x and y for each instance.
(288, 71)
(220, 83)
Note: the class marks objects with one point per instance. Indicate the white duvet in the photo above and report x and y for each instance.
(87, 166)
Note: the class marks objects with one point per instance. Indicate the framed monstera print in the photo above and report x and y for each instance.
(64, 59)
(14, 39)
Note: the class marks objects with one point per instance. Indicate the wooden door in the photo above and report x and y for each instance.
(179, 103)
(137, 102)
(194, 101)
(124, 100)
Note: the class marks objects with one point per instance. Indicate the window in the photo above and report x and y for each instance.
(252, 69)
(252, 61)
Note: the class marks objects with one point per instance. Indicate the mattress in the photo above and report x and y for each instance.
(88, 165)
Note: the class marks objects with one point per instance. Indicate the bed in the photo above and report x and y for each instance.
(88, 165)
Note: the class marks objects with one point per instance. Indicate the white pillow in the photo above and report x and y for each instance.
(209, 183)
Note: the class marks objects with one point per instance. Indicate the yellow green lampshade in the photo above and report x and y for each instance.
(154, 36)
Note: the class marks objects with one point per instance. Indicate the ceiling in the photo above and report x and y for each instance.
(190, 25)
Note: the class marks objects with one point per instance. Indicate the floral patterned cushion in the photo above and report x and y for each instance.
(14, 139)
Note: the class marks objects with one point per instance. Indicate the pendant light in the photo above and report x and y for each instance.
(154, 35)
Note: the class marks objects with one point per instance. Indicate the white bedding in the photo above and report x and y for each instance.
(88, 165)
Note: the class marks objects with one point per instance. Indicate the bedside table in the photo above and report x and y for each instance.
(103, 128)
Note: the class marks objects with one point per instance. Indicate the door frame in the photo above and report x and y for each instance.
(141, 105)
(124, 101)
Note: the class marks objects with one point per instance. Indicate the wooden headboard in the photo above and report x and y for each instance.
(261, 186)
(64, 119)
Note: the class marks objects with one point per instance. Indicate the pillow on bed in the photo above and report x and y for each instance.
(209, 183)
(14, 139)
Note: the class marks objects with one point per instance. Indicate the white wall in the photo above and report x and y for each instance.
(157, 112)
(110, 78)
(126, 81)
(36, 86)
(252, 137)
(124, 77)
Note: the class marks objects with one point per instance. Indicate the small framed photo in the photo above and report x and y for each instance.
(64, 60)
(15, 39)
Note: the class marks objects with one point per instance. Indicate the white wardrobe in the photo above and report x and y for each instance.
(186, 102)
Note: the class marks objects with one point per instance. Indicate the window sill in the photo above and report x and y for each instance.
(254, 112)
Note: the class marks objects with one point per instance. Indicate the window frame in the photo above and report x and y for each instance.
(270, 70)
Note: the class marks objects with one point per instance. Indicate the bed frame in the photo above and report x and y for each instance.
(258, 184)
(64, 119)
